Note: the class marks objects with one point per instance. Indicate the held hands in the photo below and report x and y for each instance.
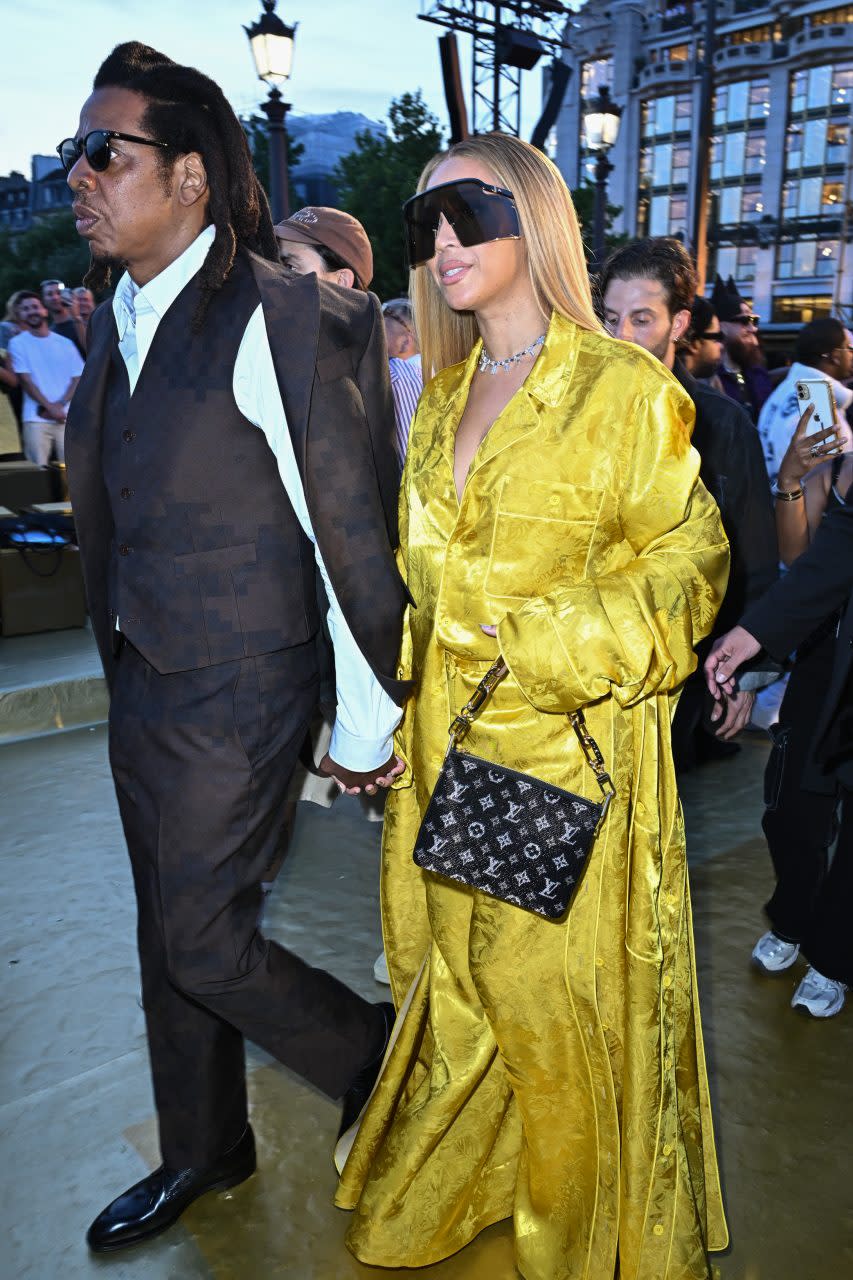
(352, 782)
(805, 452)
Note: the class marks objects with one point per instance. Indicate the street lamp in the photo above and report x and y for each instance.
(601, 128)
(271, 42)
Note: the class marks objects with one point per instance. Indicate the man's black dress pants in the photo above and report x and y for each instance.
(201, 761)
(812, 900)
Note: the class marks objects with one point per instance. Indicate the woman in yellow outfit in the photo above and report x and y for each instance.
(551, 512)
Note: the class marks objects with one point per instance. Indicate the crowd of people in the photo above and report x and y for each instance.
(554, 558)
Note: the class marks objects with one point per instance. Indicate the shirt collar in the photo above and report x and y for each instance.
(158, 294)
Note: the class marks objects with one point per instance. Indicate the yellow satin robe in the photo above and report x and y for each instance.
(551, 1071)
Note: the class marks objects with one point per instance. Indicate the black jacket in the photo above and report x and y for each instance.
(329, 355)
(734, 472)
(818, 583)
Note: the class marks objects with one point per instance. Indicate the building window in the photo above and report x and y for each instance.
(806, 258)
(832, 17)
(816, 150)
(665, 165)
(801, 310)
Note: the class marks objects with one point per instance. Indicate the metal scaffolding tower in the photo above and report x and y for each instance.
(508, 37)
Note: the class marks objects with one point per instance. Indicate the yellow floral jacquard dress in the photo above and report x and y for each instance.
(550, 1071)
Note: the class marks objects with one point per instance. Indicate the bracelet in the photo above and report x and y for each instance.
(787, 495)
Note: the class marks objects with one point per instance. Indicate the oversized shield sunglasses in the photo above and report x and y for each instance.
(477, 212)
(97, 148)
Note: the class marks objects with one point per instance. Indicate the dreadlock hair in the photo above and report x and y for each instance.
(189, 111)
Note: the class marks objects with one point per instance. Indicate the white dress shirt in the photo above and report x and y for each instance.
(366, 716)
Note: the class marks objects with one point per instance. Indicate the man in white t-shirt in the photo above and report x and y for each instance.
(49, 368)
(824, 349)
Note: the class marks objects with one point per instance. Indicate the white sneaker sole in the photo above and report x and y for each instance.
(774, 972)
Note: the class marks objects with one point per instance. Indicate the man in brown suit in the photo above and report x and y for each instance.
(233, 482)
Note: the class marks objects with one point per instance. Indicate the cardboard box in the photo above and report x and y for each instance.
(23, 483)
(41, 590)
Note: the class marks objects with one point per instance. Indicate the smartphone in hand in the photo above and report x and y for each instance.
(818, 392)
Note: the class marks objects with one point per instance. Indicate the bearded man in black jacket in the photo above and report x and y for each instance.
(647, 291)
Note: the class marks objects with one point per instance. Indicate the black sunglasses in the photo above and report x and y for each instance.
(750, 320)
(711, 337)
(96, 145)
(477, 211)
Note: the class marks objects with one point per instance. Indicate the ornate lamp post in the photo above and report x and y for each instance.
(271, 42)
(601, 128)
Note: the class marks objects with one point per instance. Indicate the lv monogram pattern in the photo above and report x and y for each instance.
(506, 834)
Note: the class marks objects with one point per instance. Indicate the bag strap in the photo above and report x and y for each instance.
(590, 748)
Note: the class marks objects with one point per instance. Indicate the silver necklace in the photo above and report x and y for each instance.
(488, 365)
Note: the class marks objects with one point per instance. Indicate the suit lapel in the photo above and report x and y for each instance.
(292, 318)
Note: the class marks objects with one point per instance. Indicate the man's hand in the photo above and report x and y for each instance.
(733, 713)
(351, 781)
(56, 411)
(728, 653)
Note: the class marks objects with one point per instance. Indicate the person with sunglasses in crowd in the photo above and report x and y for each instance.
(824, 349)
(647, 290)
(546, 1070)
(701, 347)
(742, 372)
(404, 362)
(234, 485)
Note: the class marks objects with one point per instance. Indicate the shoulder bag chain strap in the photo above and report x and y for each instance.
(590, 748)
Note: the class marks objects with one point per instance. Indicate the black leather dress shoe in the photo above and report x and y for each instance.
(156, 1202)
(359, 1091)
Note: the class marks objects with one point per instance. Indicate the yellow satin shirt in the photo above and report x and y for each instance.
(552, 1071)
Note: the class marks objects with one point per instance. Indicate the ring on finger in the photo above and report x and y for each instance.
(815, 450)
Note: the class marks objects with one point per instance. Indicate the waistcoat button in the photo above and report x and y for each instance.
(125, 493)
(127, 436)
(124, 549)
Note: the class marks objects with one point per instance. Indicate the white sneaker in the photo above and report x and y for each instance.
(773, 955)
(821, 997)
(380, 970)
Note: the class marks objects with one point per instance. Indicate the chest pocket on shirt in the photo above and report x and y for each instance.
(542, 537)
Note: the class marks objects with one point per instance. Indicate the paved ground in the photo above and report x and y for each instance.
(76, 1115)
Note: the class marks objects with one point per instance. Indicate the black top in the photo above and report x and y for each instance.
(734, 472)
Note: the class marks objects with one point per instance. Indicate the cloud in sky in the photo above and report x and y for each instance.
(350, 55)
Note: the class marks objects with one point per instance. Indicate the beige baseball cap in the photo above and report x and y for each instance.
(331, 229)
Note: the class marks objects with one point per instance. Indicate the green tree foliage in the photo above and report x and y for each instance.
(255, 128)
(49, 250)
(376, 178)
(584, 202)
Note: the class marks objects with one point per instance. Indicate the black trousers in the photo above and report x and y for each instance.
(201, 761)
(812, 901)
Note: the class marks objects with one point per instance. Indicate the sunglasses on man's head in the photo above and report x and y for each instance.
(96, 145)
(477, 211)
(753, 321)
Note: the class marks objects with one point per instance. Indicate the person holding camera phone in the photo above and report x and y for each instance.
(824, 350)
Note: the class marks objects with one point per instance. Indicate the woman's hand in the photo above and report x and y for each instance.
(805, 452)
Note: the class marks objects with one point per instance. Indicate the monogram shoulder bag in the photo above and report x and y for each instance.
(506, 833)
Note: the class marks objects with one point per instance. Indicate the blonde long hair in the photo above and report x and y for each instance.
(555, 256)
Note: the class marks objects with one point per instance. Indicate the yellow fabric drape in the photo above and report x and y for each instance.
(551, 1071)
